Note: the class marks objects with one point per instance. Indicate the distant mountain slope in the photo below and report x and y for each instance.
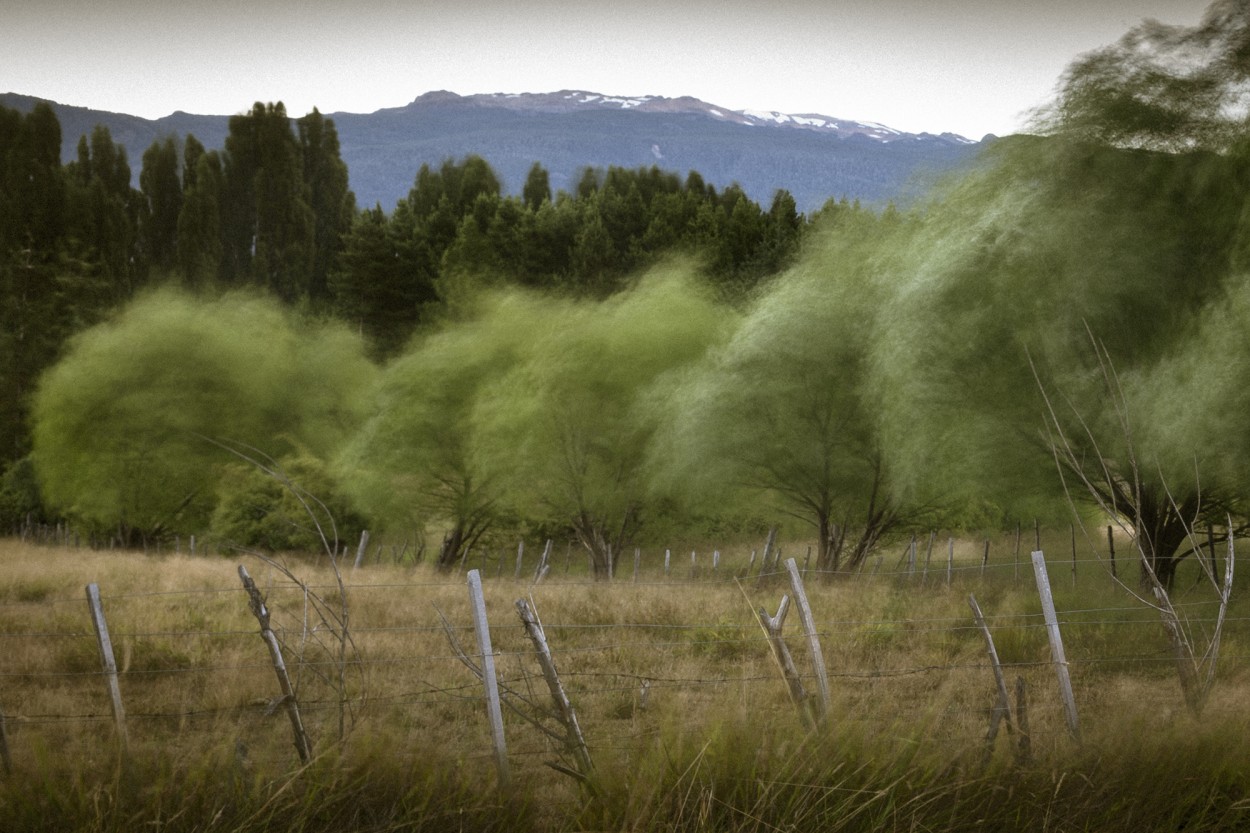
(814, 157)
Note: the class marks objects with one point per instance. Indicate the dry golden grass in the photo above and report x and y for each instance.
(657, 670)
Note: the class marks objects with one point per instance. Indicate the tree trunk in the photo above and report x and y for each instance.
(449, 552)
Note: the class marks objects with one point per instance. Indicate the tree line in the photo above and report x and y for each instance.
(272, 210)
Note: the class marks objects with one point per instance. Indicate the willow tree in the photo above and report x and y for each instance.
(565, 430)
(783, 412)
(128, 427)
(1039, 300)
(413, 462)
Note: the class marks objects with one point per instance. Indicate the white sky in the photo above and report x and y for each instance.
(965, 66)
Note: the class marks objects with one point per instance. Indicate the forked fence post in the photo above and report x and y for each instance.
(108, 662)
(567, 716)
(1056, 644)
(257, 605)
(813, 640)
(785, 662)
(494, 712)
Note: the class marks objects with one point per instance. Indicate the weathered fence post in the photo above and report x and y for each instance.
(668, 557)
(985, 557)
(813, 640)
(493, 711)
(1072, 529)
(1056, 644)
(520, 554)
(360, 550)
(540, 572)
(637, 562)
(567, 716)
(950, 559)
(5, 758)
(1002, 706)
(1024, 745)
(1111, 549)
(108, 662)
(785, 662)
(257, 605)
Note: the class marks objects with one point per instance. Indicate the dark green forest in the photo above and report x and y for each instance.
(1057, 331)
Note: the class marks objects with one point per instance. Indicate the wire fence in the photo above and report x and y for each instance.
(189, 660)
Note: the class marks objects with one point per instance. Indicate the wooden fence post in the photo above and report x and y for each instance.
(637, 562)
(108, 662)
(1056, 644)
(540, 572)
(1072, 529)
(520, 555)
(668, 557)
(360, 550)
(809, 630)
(1024, 745)
(985, 558)
(574, 739)
(1002, 706)
(1111, 549)
(950, 559)
(257, 605)
(5, 758)
(493, 711)
(785, 662)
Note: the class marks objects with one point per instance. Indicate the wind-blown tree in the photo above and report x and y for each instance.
(783, 411)
(127, 426)
(413, 461)
(564, 432)
(1082, 264)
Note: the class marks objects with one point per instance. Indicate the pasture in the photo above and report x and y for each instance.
(685, 714)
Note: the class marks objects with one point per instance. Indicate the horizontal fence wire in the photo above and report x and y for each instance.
(394, 678)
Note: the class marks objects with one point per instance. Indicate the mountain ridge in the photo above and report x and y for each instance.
(813, 156)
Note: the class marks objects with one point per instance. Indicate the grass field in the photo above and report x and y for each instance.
(685, 714)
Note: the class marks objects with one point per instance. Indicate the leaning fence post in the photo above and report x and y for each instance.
(1002, 707)
(1056, 644)
(257, 604)
(493, 711)
(575, 741)
(107, 661)
(785, 662)
(809, 630)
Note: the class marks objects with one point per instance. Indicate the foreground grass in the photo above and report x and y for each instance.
(687, 720)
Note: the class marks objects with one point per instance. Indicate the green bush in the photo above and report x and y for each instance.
(289, 508)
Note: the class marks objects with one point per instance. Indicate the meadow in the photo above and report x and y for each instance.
(685, 714)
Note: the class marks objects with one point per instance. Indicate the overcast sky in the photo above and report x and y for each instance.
(965, 66)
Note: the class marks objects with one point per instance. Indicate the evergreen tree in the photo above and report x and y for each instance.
(332, 203)
(162, 191)
(537, 189)
(268, 224)
(199, 222)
